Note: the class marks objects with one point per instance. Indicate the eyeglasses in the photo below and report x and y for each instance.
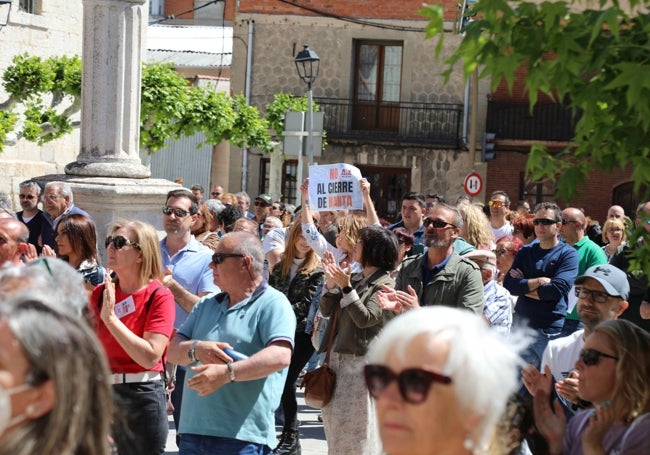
(501, 252)
(596, 296)
(543, 221)
(218, 258)
(27, 196)
(215, 194)
(261, 204)
(414, 383)
(591, 356)
(179, 213)
(51, 197)
(437, 224)
(496, 204)
(120, 242)
(275, 207)
(567, 221)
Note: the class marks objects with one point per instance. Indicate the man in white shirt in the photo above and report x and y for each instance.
(602, 296)
(499, 208)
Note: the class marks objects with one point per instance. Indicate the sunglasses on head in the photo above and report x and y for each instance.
(413, 384)
(179, 213)
(591, 356)
(543, 221)
(218, 258)
(120, 242)
(437, 224)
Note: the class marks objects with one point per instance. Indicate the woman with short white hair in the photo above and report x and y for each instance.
(440, 379)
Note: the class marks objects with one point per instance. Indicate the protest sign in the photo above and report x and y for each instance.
(335, 187)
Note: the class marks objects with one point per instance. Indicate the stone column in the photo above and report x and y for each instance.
(113, 45)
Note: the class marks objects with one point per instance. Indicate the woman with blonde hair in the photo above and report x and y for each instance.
(613, 367)
(614, 236)
(135, 318)
(476, 229)
(299, 276)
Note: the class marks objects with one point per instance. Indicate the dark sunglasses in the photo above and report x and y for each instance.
(261, 204)
(414, 384)
(120, 242)
(27, 196)
(180, 213)
(591, 357)
(565, 221)
(218, 258)
(437, 224)
(544, 221)
(215, 194)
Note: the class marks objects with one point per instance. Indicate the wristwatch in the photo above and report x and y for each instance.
(347, 289)
(232, 372)
(191, 352)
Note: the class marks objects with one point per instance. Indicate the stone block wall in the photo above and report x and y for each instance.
(55, 29)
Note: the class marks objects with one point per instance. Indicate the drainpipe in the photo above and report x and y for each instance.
(465, 114)
(247, 94)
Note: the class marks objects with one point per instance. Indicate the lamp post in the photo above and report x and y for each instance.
(307, 63)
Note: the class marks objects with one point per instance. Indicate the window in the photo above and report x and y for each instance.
(289, 184)
(28, 6)
(377, 80)
(156, 7)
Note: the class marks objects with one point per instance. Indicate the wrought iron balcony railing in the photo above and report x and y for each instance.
(405, 122)
(546, 122)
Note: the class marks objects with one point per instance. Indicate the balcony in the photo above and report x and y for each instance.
(514, 121)
(403, 122)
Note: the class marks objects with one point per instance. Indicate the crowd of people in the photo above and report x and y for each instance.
(463, 328)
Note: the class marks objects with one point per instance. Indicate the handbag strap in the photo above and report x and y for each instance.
(331, 337)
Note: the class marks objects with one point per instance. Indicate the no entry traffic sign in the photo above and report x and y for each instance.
(473, 184)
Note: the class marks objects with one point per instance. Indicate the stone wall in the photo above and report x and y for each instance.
(55, 29)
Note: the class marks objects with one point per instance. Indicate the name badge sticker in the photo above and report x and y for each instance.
(125, 307)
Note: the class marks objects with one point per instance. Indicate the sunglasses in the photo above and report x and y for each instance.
(567, 221)
(27, 196)
(215, 194)
(591, 357)
(414, 383)
(500, 253)
(120, 242)
(261, 204)
(543, 221)
(179, 213)
(437, 224)
(496, 204)
(218, 258)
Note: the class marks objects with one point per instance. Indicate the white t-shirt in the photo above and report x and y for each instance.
(504, 231)
(562, 354)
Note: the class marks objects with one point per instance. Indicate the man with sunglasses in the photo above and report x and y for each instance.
(262, 209)
(499, 208)
(541, 276)
(187, 267)
(574, 223)
(31, 215)
(439, 276)
(229, 403)
(602, 293)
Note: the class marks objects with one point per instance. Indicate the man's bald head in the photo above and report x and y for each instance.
(13, 233)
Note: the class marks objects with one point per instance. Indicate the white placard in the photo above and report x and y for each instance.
(335, 187)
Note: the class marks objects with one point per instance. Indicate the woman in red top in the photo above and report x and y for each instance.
(135, 317)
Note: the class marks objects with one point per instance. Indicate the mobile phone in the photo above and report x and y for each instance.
(235, 355)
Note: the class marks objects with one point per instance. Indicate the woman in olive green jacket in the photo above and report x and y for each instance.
(349, 417)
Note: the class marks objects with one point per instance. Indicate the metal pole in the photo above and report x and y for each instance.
(247, 93)
(473, 119)
(310, 126)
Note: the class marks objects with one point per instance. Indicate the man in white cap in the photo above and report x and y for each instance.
(497, 308)
(602, 296)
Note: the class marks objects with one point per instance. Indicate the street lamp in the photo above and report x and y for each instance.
(307, 63)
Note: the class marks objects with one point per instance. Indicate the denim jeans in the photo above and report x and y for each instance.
(194, 444)
(141, 425)
(302, 351)
(534, 352)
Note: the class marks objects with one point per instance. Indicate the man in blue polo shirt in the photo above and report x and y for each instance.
(228, 405)
(187, 267)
